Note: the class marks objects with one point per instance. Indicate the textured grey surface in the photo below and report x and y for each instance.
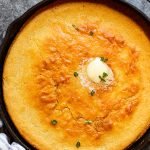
(12, 9)
(143, 5)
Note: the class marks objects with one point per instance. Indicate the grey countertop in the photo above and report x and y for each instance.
(12, 9)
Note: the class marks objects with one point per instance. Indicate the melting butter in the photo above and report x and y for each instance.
(99, 72)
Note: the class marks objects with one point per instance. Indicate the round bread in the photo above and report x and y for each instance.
(46, 89)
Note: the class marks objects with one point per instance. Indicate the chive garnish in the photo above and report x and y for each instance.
(88, 122)
(102, 78)
(105, 74)
(75, 27)
(92, 93)
(78, 144)
(54, 122)
(91, 33)
(75, 74)
(103, 59)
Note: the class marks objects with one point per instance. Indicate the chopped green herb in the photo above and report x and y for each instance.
(105, 74)
(88, 122)
(103, 59)
(54, 122)
(75, 27)
(91, 33)
(92, 93)
(78, 144)
(102, 79)
(75, 74)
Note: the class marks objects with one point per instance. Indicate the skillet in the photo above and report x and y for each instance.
(12, 31)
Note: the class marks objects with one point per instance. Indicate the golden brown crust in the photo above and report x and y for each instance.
(39, 85)
(61, 94)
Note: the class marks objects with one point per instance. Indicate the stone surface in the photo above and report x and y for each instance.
(12, 9)
(143, 5)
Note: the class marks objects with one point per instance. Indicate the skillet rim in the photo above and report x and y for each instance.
(11, 33)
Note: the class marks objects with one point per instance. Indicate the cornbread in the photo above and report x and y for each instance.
(77, 75)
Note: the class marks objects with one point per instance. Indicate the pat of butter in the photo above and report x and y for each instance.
(97, 68)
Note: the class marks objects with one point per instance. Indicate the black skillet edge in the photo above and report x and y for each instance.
(11, 32)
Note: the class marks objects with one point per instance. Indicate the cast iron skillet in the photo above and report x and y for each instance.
(12, 31)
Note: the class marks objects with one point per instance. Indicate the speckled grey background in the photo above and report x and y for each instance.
(11, 9)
